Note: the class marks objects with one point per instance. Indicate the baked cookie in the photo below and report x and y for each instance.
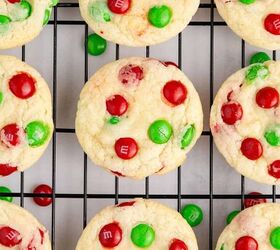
(22, 20)
(26, 115)
(255, 228)
(245, 122)
(20, 230)
(138, 224)
(256, 21)
(138, 23)
(138, 116)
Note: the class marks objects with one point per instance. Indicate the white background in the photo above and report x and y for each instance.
(69, 155)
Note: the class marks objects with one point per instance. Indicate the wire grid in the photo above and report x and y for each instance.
(116, 196)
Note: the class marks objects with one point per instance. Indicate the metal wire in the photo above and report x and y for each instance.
(116, 196)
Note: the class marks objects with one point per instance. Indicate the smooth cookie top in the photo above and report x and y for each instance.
(256, 21)
(138, 23)
(245, 121)
(138, 116)
(255, 228)
(21, 230)
(138, 224)
(22, 20)
(26, 115)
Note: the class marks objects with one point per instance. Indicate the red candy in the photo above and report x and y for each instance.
(126, 204)
(6, 169)
(116, 105)
(251, 148)
(249, 202)
(178, 245)
(14, 1)
(117, 173)
(126, 148)
(274, 169)
(119, 6)
(272, 24)
(9, 237)
(11, 135)
(131, 75)
(246, 243)
(110, 235)
(170, 64)
(42, 234)
(43, 201)
(231, 113)
(175, 92)
(22, 85)
(267, 98)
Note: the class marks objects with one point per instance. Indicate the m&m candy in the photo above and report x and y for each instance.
(42, 201)
(272, 135)
(232, 215)
(96, 45)
(116, 105)
(177, 244)
(274, 169)
(110, 235)
(188, 136)
(22, 85)
(9, 237)
(272, 24)
(131, 75)
(256, 71)
(275, 238)
(259, 57)
(37, 133)
(249, 202)
(119, 6)
(126, 148)
(160, 131)
(5, 190)
(251, 148)
(246, 243)
(193, 214)
(175, 92)
(142, 235)
(11, 135)
(231, 112)
(6, 169)
(267, 98)
(160, 16)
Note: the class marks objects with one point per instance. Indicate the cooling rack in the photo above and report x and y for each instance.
(208, 52)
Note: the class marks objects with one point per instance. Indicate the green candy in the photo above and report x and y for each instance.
(37, 133)
(96, 45)
(5, 190)
(100, 12)
(188, 136)
(1, 97)
(47, 16)
(272, 135)
(247, 1)
(256, 71)
(114, 120)
(142, 235)
(4, 23)
(275, 238)
(54, 3)
(259, 57)
(232, 215)
(192, 214)
(160, 131)
(4, 19)
(160, 16)
(223, 247)
(21, 11)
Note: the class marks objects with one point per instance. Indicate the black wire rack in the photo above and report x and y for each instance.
(116, 196)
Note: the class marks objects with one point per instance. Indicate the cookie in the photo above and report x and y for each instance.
(245, 122)
(138, 23)
(26, 115)
(255, 228)
(22, 20)
(256, 21)
(21, 230)
(138, 224)
(138, 116)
